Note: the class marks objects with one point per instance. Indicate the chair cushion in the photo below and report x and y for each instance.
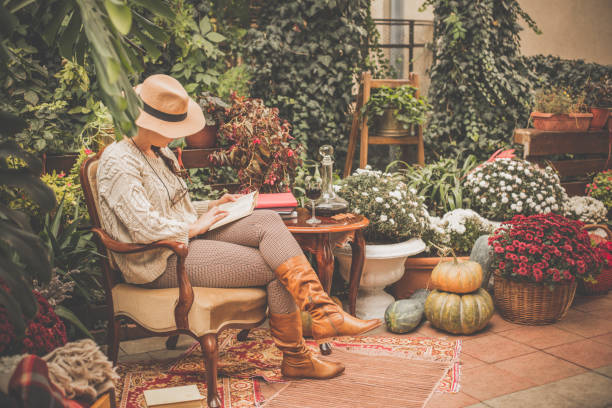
(212, 308)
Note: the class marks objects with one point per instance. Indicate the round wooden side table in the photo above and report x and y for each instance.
(319, 238)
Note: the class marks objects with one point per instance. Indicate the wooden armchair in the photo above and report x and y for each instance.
(201, 313)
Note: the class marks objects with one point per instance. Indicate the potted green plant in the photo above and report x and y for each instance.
(599, 97)
(558, 110)
(214, 112)
(398, 218)
(538, 262)
(393, 111)
(259, 147)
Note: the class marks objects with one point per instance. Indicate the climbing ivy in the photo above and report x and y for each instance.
(571, 74)
(305, 55)
(480, 86)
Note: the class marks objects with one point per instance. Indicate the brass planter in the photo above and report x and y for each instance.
(388, 126)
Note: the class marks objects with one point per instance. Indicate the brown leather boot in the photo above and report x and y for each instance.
(298, 361)
(328, 319)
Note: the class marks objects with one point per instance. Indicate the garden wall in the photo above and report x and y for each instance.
(570, 29)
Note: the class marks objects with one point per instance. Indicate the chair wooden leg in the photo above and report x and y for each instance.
(113, 340)
(208, 343)
(243, 335)
(171, 342)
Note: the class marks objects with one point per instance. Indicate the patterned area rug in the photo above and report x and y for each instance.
(241, 364)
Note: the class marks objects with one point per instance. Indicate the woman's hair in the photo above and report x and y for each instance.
(167, 161)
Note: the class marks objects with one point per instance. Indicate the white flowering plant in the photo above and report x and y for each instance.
(586, 209)
(505, 187)
(457, 229)
(395, 213)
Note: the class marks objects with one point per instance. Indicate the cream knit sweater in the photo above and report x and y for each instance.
(134, 207)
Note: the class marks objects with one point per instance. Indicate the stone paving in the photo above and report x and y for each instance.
(565, 365)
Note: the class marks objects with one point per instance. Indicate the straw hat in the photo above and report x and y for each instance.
(167, 109)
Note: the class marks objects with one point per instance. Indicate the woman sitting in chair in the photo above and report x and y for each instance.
(142, 200)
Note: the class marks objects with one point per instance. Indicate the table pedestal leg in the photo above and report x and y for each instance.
(357, 261)
(325, 261)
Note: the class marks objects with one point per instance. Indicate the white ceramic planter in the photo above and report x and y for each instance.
(383, 265)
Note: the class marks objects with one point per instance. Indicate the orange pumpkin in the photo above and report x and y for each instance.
(457, 276)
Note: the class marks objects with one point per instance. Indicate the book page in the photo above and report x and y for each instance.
(237, 209)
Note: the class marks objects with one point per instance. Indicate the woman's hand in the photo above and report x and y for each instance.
(226, 198)
(206, 220)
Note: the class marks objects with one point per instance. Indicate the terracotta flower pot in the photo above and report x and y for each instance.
(600, 117)
(577, 122)
(416, 275)
(204, 139)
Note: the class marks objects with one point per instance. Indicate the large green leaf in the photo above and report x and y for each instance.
(30, 249)
(11, 124)
(157, 7)
(120, 15)
(69, 36)
(156, 32)
(31, 184)
(8, 21)
(51, 30)
(11, 149)
(20, 291)
(13, 310)
(67, 314)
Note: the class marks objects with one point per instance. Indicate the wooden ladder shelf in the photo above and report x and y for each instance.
(360, 124)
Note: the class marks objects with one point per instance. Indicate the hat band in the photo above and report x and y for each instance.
(168, 117)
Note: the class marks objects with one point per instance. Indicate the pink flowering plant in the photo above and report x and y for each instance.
(544, 248)
(260, 146)
(601, 188)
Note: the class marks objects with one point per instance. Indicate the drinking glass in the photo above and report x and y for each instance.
(313, 192)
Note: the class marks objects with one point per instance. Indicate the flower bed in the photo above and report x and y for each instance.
(395, 213)
(507, 187)
(545, 248)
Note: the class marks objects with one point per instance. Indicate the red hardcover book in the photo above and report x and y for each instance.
(276, 201)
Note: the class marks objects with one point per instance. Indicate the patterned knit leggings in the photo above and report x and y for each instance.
(243, 253)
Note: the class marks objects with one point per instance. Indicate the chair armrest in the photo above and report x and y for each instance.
(178, 248)
(186, 296)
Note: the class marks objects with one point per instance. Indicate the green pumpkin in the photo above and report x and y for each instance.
(404, 315)
(459, 314)
(420, 295)
(484, 255)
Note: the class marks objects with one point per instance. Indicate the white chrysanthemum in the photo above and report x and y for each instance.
(383, 217)
(378, 199)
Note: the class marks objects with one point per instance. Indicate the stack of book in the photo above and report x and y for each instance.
(284, 204)
(186, 396)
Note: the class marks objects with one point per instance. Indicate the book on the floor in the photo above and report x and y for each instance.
(237, 209)
(276, 201)
(185, 396)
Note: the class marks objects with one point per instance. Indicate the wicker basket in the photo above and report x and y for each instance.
(532, 303)
(604, 279)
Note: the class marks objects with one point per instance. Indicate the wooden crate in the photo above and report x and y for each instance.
(594, 145)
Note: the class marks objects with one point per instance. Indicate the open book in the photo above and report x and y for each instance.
(237, 209)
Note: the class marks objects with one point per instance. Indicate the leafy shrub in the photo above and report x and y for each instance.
(601, 188)
(395, 213)
(480, 87)
(506, 187)
(305, 54)
(441, 183)
(586, 209)
(572, 75)
(407, 108)
(459, 229)
(557, 100)
(261, 148)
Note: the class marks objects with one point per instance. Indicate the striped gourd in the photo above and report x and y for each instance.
(459, 314)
